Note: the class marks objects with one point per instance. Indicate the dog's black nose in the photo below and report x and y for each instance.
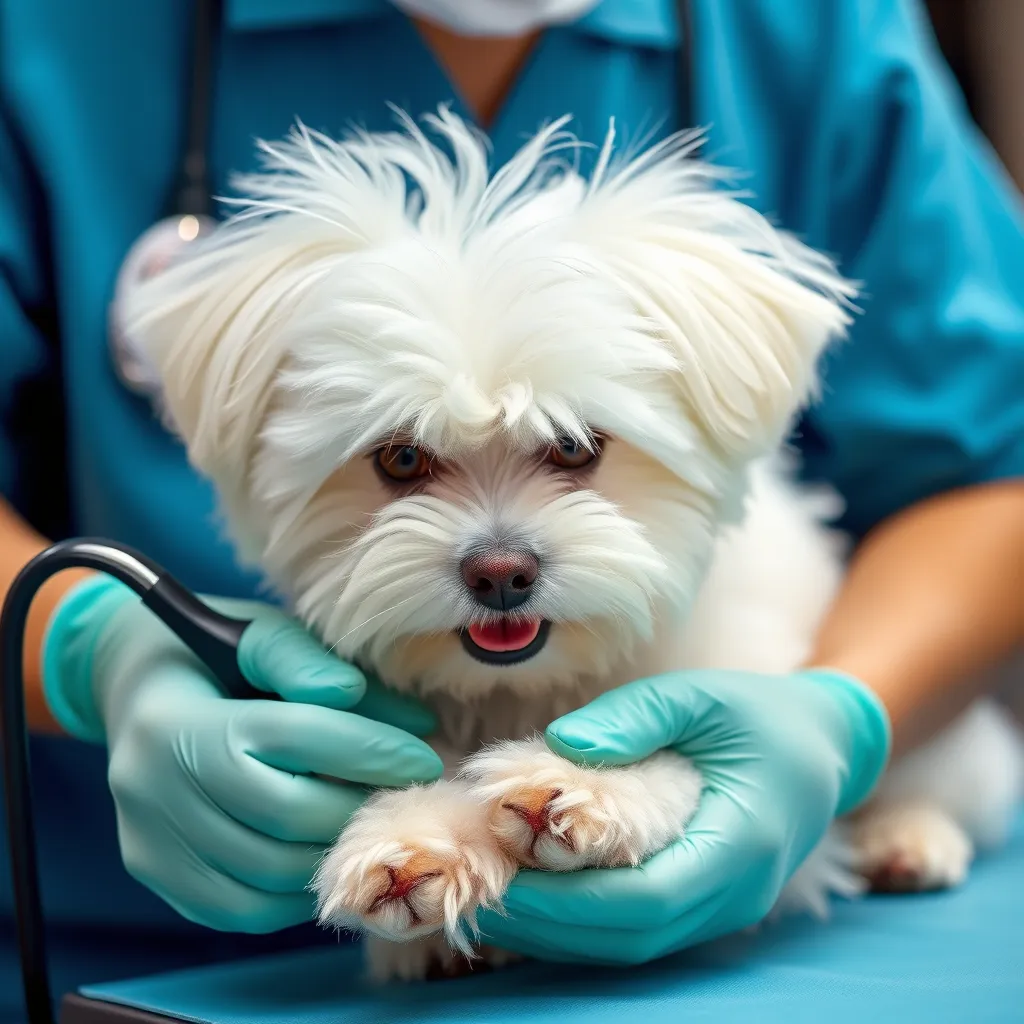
(500, 578)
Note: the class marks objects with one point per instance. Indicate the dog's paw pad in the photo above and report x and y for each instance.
(554, 829)
(546, 812)
(400, 891)
(403, 889)
(401, 885)
(913, 851)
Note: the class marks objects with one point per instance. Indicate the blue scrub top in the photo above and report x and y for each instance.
(840, 113)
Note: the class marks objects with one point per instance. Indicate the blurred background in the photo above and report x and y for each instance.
(983, 40)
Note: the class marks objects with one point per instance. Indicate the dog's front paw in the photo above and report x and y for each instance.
(912, 848)
(549, 813)
(411, 864)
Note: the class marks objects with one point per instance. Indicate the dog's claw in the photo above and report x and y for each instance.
(402, 882)
(537, 814)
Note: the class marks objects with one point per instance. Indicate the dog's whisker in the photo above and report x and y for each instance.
(365, 623)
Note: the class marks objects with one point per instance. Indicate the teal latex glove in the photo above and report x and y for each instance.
(781, 757)
(222, 805)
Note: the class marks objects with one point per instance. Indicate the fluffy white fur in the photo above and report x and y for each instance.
(389, 286)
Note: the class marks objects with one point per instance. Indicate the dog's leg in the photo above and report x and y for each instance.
(410, 961)
(411, 864)
(549, 813)
(940, 803)
(432, 957)
(911, 847)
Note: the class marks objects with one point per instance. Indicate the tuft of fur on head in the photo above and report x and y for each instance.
(390, 286)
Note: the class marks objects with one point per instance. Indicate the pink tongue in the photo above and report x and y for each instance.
(505, 636)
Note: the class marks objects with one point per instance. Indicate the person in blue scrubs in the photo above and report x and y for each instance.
(176, 824)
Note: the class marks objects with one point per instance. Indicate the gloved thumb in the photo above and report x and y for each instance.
(278, 655)
(627, 724)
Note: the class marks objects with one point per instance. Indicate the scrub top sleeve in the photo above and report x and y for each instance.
(23, 352)
(928, 393)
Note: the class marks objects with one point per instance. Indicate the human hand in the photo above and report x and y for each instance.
(780, 756)
(224, 806)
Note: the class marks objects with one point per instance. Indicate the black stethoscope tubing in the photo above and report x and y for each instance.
(212, 637)
(192, 193)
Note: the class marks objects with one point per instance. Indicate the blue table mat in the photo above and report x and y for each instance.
(956, 957)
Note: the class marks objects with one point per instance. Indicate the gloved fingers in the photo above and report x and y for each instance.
(721, 847)
(527, 936)
(277, 654)
(259, 862)
(623, 899)
(309, 740)
(397, 709)
(573, 943)
(163, 841)
(225, 904)
(251, 913)
(628, 723)
(283, 806)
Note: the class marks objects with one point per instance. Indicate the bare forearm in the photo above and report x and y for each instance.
(934, 597)
(18, 544)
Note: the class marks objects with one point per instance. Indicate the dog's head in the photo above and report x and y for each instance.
(482, 429)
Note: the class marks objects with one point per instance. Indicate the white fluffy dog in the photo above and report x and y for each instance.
(510, 440)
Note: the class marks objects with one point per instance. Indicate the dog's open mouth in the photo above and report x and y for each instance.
(505, 642)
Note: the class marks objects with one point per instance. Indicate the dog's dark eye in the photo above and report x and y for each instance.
(402, 462)
(570, 454)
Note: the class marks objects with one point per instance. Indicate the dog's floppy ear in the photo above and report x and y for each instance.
(212, 324)
(745, 308)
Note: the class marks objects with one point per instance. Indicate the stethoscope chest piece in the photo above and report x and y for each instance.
(156, 249)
